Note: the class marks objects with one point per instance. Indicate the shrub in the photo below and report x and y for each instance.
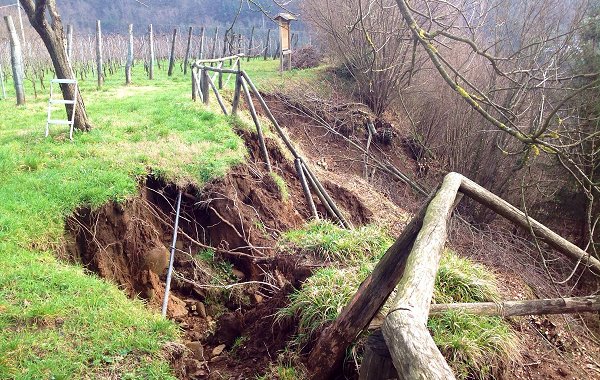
(306, 57)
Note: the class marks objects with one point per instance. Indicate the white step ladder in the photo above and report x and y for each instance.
(52, 102)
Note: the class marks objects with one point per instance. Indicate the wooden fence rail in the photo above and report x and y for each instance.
(412, 263)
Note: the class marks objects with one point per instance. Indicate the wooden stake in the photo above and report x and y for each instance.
(217, 95)
(266, 53)
(70, 43)
(330, 348)
(413, 350)
(129, 55)
(201, 50)
(172, 56)
(16, 60)
(151, 43)
(261, 140)
(250, 44)
(309, 200)
(187, 51)
(99, 69)
(204, 78)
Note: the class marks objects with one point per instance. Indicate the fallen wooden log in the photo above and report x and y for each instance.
(527, 307)
(518, 217)
(413, 350)
(330, 348)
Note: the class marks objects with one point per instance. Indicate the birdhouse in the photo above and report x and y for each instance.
(285, 37)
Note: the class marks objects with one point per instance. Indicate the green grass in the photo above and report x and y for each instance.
(474, 346)
(334, 243)
(56, 321)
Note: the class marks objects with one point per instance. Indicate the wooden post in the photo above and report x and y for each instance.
(330, 348)
(204, 86)
(172, 56)
(129, 63)
(377, 363)
(151, 44)
(413, 350)
(236, 94)
(266, 53)
(261, 139)
(214, 46)
(2, 82)
(309, 200)
(194, 82)
(217, 95)
(250, 44)
(201, 49)
(187, 51)
(16, 60)
(99, 70)
(70, 43)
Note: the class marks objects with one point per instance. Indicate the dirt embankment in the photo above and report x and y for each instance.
(239, 218)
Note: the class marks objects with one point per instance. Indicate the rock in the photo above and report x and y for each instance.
(176, 308)
(217, 359)
(157, 259)
(197, 349)
(201, 309)
(229, 327)
(257, 298)
(239, 274)
(184, 325)
(218, 350)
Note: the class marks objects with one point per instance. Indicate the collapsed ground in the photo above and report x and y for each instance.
(237, 262)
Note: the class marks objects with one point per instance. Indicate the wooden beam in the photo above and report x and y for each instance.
(568, 305)
(412, 348)
(518, 217)
(330, 348)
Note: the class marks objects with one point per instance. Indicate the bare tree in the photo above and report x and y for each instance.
(43, 16)
(373, 42)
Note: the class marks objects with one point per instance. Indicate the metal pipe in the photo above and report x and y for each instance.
(171, 258)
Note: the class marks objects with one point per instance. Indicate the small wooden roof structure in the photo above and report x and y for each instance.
(284, 17)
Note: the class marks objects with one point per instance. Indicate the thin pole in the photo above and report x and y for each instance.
(171, 258)
(21, 21)
(2, 82)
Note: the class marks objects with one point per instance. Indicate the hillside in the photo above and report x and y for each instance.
(317, 227)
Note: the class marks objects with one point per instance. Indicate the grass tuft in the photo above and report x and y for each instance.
(474, 346)
(334, 243)
(461, 280)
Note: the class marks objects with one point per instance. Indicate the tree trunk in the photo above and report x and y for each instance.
(16, 60)
(129, 56)
(172, 56)
(187, 50)
(51, 32)
(99, 69)
(151, 43)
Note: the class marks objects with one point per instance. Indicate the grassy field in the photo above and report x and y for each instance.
(55, 320)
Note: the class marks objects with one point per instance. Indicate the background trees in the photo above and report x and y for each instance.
(503, 91)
